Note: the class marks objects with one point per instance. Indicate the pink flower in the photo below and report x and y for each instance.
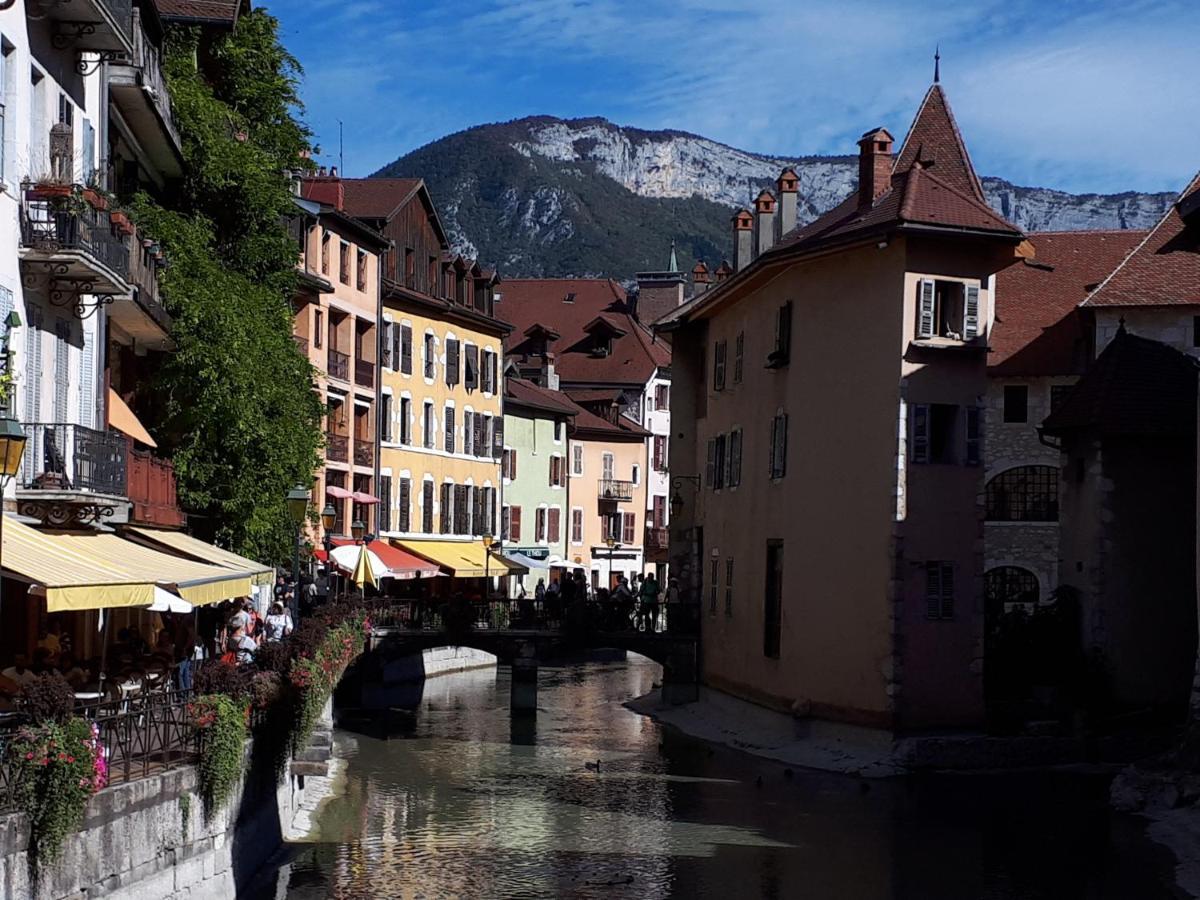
(29, 755)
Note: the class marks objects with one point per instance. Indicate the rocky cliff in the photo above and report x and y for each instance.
(547, 196)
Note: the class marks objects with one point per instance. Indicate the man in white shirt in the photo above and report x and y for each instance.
(19, 671)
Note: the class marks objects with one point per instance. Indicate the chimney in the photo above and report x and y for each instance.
(333, 172)
(874, 166)
(764, 228)
(723, 271)
(549, 378)
(788, 185)
(700, 279)
(327, 189)
(743, 239)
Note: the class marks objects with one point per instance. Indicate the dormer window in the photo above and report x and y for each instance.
(947, 309)
(570, 298)
(601, 333)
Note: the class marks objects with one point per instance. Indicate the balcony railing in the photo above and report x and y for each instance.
(339, 365)
(657, 539)
(612, 489)
(152, 490)
(68, 457)
(139, 85)
(364, 452)
(69, 224)
(337, 447)
(364, 372)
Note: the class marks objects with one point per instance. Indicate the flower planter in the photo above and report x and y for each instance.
(121, 222)
(49, 191)
(95, 199)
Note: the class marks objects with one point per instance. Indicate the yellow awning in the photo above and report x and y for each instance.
(197, 583)
(71, 579)
(121, 417)
(462, 559)
(205, 552)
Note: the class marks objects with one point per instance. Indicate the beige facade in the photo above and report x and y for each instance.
(335, 324)
(442, 427)
(607, 500)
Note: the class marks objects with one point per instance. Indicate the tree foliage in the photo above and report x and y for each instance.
(234, 404)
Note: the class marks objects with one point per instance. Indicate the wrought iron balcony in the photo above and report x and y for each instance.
(337, 447)
(141, 314)
(612, 489)
(339, 365)
(71, 474)
(96, 26)
(364, 373)
(364, 452)
(69, 248)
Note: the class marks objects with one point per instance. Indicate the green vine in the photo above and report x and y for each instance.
(55, 771)
(222, 725)
(234, 404)
(185, 814)
(314, 678)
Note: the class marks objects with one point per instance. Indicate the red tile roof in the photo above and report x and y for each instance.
(1165, 269)
(525, 393)
(592, 424)
(1038, 329)
(543, 301)
(377, 198)
(215, 12)
(1136, 387)
(935, 141)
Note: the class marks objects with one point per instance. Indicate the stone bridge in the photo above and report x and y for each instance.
(525, 648)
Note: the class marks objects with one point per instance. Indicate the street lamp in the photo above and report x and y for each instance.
(297, 503)
(612, 543)
(357, 530)
(12, 446)
(328, 520)
(487, 560)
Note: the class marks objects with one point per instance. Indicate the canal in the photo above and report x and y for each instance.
(455, 799)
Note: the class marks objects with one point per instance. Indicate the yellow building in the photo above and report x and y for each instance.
(440, 418)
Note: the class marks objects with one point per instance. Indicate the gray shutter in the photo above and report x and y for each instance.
(62, 369)
(710, 471)
(926, 323)
(406, 349)
(89, 152)
(405, 520)
(449, 429)
(920, 433)
(970, 311)
(87, 381)
(6, 306)
(386, 345)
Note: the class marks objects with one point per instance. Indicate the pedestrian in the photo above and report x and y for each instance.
(649, 598)
(674, 611)
(240, 646)
(280, 588)
(278, 624)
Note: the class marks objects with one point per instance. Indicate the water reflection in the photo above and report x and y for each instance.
(459, 799)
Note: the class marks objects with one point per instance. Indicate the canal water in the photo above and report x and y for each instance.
(456, 799)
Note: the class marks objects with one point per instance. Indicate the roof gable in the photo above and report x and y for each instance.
(936, 143)
(1164, 270)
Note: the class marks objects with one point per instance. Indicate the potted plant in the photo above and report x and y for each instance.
(95, 197)
(121, 222)
(47, 189)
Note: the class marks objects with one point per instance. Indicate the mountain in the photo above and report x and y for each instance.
(543, 196)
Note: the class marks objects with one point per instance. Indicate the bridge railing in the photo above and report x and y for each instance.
(531, 614)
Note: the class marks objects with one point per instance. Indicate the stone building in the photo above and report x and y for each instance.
(828, 414)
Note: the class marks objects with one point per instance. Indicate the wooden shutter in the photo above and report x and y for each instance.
(478, 435)
(920, 433)
(735, 458)
(660, 512)
(970, 311)
(404, 519)
(783, 331)
(926, 309)
(779, 447)
(710, 470)
(471, 358)
(514, 525)
(449, 444)
(629, 535)
(498, 439)
(512, 464)
(739, 349)
(427, 512)
(451, 362)
(406, 349)
(974, 436)
(468, 424)
(555, 524)
(539, 525)
(577, 525)
(939, 590)
(460, 509)
(719, 366)
(386, 345)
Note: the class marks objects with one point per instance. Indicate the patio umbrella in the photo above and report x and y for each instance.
(363, 564)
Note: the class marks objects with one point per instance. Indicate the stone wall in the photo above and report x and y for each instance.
(148, 839)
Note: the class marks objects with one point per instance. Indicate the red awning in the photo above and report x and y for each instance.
(364, 499)
(338, 493)
(400, 563)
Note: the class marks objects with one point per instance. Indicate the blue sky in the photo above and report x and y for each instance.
(1083, 96)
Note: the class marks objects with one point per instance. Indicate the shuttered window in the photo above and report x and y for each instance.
(729, 586)
(447, 509)
(87, 376)
(405, 420)
(919, 451)
(720, 461)
(497, 437)
(739, 352)
(779, 445)
(404, 505)
(553, 525)
(427, 507)
(385, 417)
(62, 369)
(629, 533)
(386, 344)
(385, 507)
(428, 425)
(539, 525)
(430, 358)
(577, 526)
(449, 429)
(577, 459)
(514, 524)
(970, 311)
(468, 432)
(735, 458)
(939, 590)
(461, 523)
(406, 349)
(452, 364)
(556, 471)
(927, 309)
(471, 358)
(719, 366)
(710, 470)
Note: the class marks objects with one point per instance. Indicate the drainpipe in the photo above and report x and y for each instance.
(378, 384)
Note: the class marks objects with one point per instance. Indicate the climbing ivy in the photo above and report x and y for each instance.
(221, 722)
(234, 404)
